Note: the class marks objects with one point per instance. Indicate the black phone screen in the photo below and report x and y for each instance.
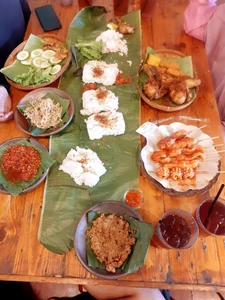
(48, 18)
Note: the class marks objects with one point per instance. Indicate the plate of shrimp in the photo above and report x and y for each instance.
(166, 80)
(181, 158)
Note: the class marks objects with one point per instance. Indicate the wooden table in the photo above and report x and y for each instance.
(23, 258)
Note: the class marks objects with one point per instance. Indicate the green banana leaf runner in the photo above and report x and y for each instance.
(65, 201)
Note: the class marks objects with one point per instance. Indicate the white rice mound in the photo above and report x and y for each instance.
(92, 104)
(84, 166)
(112, 124)
(109, 72)
(112, 42)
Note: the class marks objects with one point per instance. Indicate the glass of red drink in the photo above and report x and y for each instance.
(216, 220)
(177, 229)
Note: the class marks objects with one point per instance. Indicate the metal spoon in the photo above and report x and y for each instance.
(78, 69)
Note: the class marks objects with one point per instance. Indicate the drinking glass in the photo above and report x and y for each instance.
(216, 220)
(177, 229)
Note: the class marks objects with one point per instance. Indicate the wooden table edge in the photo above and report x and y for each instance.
(85, 281)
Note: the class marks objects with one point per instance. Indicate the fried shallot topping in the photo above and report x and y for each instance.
(111, 240)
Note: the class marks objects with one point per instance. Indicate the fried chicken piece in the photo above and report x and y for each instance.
(179, 92)
(111, 240)
(192, 82)
(151, 89)
(124, 27)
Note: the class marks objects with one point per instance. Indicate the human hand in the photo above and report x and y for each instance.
(5, 105)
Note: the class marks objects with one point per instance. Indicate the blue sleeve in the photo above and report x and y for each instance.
(26, 10)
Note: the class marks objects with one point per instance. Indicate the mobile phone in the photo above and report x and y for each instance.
(47, 18)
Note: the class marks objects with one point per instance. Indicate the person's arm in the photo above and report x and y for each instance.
(5, 105)
(26, 10)
(197, 15)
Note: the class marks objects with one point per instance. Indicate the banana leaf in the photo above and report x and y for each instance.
(18, 69)
(64, 103)
(16, 188)
(186, 67)
(65, 201)
(136, 259)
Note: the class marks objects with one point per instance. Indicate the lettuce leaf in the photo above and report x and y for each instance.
(90, 49)
(33, 76)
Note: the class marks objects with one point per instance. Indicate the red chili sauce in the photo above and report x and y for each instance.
(216, 222)
(20, 163)
(175, 231)
(88, 87)
(122, 80)
(133, 198)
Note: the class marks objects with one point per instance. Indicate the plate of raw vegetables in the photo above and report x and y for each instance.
(37, 62)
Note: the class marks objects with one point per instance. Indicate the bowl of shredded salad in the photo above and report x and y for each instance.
(44, 112)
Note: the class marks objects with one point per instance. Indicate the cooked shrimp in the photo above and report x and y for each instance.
(184, 164)
(180, 134)
(188, 151)
(166, 142)
(182, 143)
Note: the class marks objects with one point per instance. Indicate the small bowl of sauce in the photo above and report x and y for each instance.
(134, 198)
(177, 229)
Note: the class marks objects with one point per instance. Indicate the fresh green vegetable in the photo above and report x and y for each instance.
(90, 49)
(33, 76)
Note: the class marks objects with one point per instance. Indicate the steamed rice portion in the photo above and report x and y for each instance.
(84, 166)
(101, 99)
(105, 123)
(100, 72)
(112, 41)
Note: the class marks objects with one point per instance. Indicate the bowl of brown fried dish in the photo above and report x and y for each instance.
(104, 243)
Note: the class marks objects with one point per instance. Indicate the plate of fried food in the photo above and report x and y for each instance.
(44, 112)
(179, 159)
(24, 164)
(166, 80)
(119, 249)
(37, 62)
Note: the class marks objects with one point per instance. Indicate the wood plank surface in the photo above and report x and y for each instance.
(23, 258)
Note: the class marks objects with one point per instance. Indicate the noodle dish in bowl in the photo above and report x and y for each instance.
(44, 112)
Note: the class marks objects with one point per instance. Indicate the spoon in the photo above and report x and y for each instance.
(78, 69)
